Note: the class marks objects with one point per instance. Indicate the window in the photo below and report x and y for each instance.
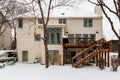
(71, 38)
(37, 37)
(40, 21)
(85, 38)
(54, 35)
(54, 56)
(92, 36)
(77, 36)
(74, 38)
(20, 23)
(88, 22)
(62, 21)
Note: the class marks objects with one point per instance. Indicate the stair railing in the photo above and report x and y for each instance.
(87, 49)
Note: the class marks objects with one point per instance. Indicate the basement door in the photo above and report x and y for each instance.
(24, 56)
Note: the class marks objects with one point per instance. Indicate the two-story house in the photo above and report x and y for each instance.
(63, 27)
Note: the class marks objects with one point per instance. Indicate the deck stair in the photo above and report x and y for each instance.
(99, 46)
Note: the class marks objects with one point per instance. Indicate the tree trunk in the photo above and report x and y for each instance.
(15, 44)
(46, 47)
(119, 49)
(46, 54)
(119, 52)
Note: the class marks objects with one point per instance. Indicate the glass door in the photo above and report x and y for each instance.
(69, 56)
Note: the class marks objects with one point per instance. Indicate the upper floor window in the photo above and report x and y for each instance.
(88, 22)
(20, 23)
(37, 37)
(62, 21)
(40, 21)
(54, 35)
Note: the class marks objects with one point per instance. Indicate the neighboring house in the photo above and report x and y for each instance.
(5, 38)
(64, 24)
(113, 45)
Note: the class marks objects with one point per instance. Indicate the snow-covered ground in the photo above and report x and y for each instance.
(21, 71)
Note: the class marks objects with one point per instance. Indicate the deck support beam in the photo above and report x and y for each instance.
(108, 59)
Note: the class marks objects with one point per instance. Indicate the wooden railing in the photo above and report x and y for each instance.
(91, 55)
(79, 40)
(100, 44)
(82, 53)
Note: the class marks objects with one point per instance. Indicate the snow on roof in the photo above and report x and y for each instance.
(63, 12)
(72, 12)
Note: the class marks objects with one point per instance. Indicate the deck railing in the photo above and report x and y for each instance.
(101, 45)
(79, 40)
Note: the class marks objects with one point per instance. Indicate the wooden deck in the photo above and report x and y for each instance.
(98, 48)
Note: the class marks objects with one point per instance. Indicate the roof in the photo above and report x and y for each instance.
(63, 12)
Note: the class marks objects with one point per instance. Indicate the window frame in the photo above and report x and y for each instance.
(85, 38)
(20, 23)
(77, 36)
(53, 56)
(37, 37)
(62, 21)
(55, 32)
(88, 22)
(93, 36)
(40, 21)
(71, 40)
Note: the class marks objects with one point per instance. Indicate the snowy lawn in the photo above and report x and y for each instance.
(21, 71)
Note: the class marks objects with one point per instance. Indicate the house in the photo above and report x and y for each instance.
(113, 45)
(70, 25)
(5, 38)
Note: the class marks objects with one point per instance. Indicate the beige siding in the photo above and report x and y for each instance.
(25, 41)
(76, 26)
(25, 36)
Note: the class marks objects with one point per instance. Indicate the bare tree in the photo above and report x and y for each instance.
(115, 11)
(5, 11)
(9, 9)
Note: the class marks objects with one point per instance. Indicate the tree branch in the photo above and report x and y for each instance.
(48, 14)
(110, 21)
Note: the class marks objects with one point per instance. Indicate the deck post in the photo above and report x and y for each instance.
(63, 55)
(98, 57)
(108, 59)
(97, 60)
(102, 55)
(105, 59)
